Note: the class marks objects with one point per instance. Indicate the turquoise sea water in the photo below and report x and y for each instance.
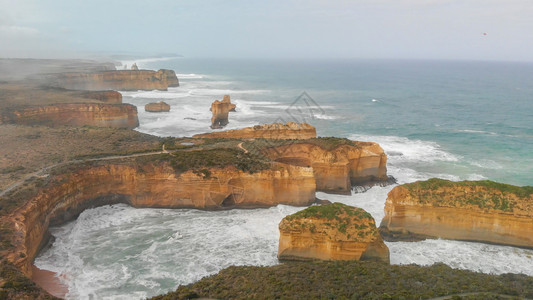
(447, 119)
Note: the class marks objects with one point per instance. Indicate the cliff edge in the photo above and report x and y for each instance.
(331, 232)
(289, 130)
(482, 211)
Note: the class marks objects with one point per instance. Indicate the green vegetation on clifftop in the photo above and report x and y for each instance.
(484, 194)
(351, 280)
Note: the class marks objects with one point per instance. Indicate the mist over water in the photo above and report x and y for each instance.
(452, 120)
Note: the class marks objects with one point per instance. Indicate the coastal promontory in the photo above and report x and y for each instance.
(482, 211)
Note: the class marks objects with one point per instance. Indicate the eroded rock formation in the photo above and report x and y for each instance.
(103, 96)
(157, 107)
(331, 232)
(482, 211)
(220, 110)
(125, 80)
(151, 184)
(75, 114)
(290, 130)
(338, 169)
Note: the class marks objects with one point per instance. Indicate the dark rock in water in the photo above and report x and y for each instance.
(189, 119)
(322, 202)
(401, 235)
(365, 187)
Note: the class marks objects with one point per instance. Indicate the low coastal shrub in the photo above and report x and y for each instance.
(352, 280)
(200, 160)
(484, 194)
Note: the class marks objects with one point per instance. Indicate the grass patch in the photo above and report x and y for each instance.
(484, 194)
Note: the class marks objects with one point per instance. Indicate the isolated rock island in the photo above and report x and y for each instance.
(160, 106)
(331, 232)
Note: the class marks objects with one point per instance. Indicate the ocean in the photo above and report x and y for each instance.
(456, 120)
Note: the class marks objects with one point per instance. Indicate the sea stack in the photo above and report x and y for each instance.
(331, 232)
(160, 106)
(220, 110)
(482, 211)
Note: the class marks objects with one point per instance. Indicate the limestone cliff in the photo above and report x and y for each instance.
(151, 184)
(331, 232)
(338, 169)
(160, 106)
(290, 130)
(483, 211)
(125, 80)
(220, 110)
(103, 96)
(75, 114)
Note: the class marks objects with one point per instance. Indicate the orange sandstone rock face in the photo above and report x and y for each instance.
(336, 170)
(482, 211)
(103, 96)
(331, 232)
(220, 110)
(76, 114)
(152, 185)
(157, 107)
(290, 130)
(125, 80)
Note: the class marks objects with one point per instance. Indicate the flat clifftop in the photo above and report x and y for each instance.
(124, 80)
(290, 130)
(334, 231)
(482, 211)
(338, 221)
(482, 195)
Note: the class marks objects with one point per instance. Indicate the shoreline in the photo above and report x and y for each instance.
(49, 281)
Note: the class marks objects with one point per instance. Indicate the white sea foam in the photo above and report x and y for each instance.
(478, 131)
(404, 149)
(190, 76)
(478, 257)
(486, 164)
(219, 92)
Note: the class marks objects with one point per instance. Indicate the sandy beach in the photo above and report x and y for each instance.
(49, 281)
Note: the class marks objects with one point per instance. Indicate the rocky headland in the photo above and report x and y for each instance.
(74, 114)
(289, 130)
(338, 164)
(160, 180)
(122, 80)
(331, 232)
(482, 211)
(160, 106)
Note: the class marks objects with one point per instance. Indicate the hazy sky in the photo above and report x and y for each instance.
(447, 29)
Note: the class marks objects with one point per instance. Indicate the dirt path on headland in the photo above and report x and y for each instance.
(240, 146)
(42, 172)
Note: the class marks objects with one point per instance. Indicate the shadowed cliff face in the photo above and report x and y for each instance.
(473, 211)
(337, 170)
(124, 80)
(331, 232)
(75, 114)
(152, 185)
